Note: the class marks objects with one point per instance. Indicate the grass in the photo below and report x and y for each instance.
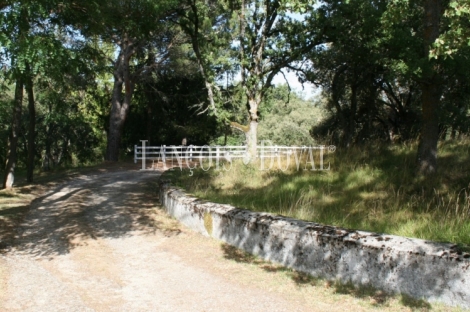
(372, 188)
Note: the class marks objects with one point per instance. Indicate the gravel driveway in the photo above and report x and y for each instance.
(100, 243)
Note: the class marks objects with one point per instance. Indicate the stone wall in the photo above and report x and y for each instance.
(435, 272)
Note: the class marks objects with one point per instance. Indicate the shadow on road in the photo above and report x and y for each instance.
(107, 204)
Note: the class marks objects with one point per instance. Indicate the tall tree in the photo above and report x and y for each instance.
(37, 45)
(18, 21)
(269, 40)
(351, 67)
(12, 158)
(264, 39)
(131, 26)
(208, 26)
(32, 124)
(431, 90)
(456, 33)
(392, 49)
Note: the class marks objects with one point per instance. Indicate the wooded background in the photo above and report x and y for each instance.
(85, 80)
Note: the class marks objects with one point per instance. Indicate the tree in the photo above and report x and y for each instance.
(38, 50)
(431, 90)
(264, 40)
(18, 42)
(269, 40)
(132, 27)
(355, 70)
(208, 26)
(382, 57)
(286, 119)
(456, 34)
(32, 124)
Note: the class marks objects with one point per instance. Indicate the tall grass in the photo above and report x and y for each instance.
(373, 188)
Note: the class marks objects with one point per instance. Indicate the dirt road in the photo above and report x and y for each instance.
(99, 242)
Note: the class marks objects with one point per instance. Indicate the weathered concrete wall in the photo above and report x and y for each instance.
(419, 268)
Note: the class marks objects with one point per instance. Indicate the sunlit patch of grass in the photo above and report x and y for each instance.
(372, 188)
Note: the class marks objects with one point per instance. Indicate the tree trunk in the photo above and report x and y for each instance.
(119, 103)
(31, 128)
(350, 126)
(115, 121)
(427, 149)
(337, 89)
(252, 140)
(46, 164)
(14, 134)
(252, 133)
(150, 112)
(253, 95)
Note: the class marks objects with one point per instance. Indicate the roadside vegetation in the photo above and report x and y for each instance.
(370, 187)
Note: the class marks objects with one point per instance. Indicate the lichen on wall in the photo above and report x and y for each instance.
(208, 222)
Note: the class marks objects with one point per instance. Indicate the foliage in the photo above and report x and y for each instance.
(209, 27)
(456, 35)
(66, 133)
(377, 74)
(59, 64)
(287, 120)
(166, 70)
(169, 99)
